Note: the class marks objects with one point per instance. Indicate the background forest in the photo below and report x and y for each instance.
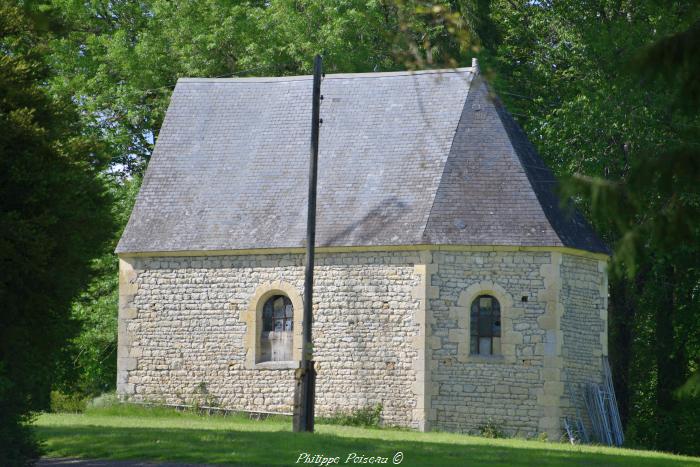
(606, 89)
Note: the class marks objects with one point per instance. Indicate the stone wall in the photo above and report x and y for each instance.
(391, 327)
(470, 392)
(554, 330)
(183, 326)
(584, 327)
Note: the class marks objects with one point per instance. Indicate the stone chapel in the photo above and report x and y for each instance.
(451, 285)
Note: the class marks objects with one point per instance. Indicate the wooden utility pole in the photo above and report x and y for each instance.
(304, 394)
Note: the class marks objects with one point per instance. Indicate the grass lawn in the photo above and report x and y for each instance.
(158, 434)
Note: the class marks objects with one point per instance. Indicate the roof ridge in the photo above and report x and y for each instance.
(367, 75)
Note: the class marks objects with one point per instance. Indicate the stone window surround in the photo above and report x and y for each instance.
(252, 316)
(462, 334)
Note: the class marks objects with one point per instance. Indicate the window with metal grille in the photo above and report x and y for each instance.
(277, 326)
(485, 326)
(278, 314)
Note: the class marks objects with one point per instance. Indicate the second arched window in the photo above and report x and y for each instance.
(485, 326)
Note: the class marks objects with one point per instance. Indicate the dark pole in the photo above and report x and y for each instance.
(304, 394)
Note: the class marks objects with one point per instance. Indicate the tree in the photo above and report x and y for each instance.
(120, 60)
(658, 210)
(89, 367)
(629, 152)
(53, 218)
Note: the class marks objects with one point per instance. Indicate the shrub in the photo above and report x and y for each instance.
(369, 416)
(202, 398)
(73, 403)
(491, 430)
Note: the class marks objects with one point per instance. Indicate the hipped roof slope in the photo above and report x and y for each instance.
(404, 159)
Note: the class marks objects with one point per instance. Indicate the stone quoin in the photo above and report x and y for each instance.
(451, 286)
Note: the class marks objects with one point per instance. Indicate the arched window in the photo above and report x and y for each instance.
(277, 326)
(485, 326)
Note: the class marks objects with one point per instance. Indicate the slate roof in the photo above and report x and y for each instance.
(405, 159)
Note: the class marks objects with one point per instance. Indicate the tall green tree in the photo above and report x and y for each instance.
(658, 210)
(89, 366)
(566, 70)
(121, 59)
(53, 219)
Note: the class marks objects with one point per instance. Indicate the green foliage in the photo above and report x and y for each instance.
(491, 430)
(67, 403)
(691, 388)
(597, 86)
(89, 365)
(121, 60)
(202, 398)
(53, 219)
(369, 416)
(18, 442)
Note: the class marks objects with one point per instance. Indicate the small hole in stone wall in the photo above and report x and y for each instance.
(524, 299)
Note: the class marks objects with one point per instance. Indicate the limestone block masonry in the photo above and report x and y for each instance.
(391, 327)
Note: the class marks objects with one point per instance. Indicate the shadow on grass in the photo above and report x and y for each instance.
(284, 448)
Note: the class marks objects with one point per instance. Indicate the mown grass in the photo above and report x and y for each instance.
(160, 434)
